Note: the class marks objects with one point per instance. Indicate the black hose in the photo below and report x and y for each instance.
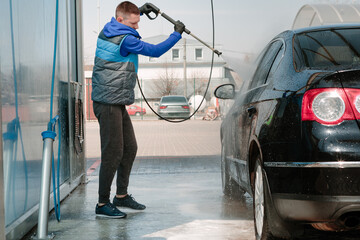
(207, 87)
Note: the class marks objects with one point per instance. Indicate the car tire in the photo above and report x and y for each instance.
(137, 114)
(229, 186)
(267, 223)
(260, 204)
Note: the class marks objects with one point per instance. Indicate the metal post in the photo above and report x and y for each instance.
(194, 99)
(141, 105)
(88, 97)
(42, 229)
(185, 77)
(98, 11)
(2, 207)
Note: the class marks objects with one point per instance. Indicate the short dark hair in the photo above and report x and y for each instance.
(126, 8)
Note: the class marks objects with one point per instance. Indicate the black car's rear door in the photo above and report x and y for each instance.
(251, 105)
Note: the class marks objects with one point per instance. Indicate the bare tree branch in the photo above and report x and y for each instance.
(167, 84)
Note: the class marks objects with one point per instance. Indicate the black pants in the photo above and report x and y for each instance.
(118, 148)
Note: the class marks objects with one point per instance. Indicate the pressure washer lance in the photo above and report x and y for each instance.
(149, 8)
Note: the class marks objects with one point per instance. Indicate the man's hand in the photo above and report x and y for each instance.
(145, 9)
(179, 27)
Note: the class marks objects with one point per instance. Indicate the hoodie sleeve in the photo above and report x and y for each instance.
(132, 44)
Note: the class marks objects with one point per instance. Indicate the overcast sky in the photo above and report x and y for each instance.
(240, 25)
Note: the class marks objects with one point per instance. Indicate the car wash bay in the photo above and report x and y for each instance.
(177, 176)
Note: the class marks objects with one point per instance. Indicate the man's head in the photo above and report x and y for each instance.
(128, 14)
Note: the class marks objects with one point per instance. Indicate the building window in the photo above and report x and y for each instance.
(152, 59)
(175, 54)
(198, 54)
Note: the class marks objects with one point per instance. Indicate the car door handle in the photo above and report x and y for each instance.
(251, 111)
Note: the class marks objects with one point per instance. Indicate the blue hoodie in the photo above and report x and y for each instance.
(116, 62)
(133, 44)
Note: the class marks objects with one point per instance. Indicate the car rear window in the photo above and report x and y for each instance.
(173, 99)
(327, 48)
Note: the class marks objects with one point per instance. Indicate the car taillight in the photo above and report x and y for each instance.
(353, 95)
(163, 107)
(331, 105)
(185, 106)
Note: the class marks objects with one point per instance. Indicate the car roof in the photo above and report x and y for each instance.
(288, 34)
(173, 96)
(327, 27)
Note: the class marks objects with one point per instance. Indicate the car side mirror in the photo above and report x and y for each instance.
(225, 91)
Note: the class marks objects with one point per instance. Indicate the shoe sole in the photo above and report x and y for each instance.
(130, 208)
(107, 216)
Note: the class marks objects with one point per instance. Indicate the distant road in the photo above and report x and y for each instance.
(161, 138)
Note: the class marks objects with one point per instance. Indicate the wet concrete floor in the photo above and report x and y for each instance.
(183, 202)
(181, 189)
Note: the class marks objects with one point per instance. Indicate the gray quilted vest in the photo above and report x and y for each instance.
(114, 76)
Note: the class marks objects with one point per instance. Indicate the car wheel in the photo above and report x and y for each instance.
(229, 186)
(267, 222)
(137, 114)
(260, 204)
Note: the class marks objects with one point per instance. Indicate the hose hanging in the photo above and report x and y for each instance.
(53, 121)
(207, 87)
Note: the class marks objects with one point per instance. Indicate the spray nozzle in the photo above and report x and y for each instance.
(217, 52)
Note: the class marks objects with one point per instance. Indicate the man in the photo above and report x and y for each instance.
(113, 82)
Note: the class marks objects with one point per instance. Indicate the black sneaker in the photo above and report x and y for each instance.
(129, 202)
(109, 211)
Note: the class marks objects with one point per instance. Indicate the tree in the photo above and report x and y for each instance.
(200, 83)
(200, 80)
(167, 84)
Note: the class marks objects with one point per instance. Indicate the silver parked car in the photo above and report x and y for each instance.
(174, 107)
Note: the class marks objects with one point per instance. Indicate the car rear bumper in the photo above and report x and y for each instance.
(314, 192)
(318, 178)
(174, 115)
(310, 208)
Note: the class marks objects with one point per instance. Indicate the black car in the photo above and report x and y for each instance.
(292, 137)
